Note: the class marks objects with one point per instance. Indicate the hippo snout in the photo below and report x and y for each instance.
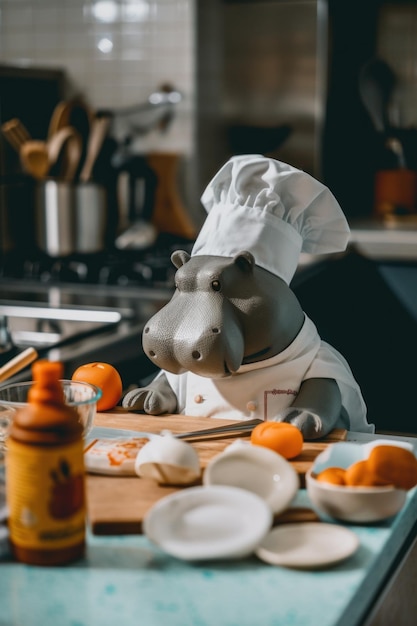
(193, 342)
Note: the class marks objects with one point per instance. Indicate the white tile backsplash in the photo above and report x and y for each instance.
(151, 42)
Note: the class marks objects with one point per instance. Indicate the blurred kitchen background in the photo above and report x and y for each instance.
(278, 77)
(172, 88)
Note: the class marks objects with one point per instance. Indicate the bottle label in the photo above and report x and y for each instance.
(45, 495)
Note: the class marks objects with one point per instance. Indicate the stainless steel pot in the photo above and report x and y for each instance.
(70, 218)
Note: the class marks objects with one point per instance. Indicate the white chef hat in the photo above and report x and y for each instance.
(271, 209)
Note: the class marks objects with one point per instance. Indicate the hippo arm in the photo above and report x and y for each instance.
(330, 391)
(319, 404)
(155, 399)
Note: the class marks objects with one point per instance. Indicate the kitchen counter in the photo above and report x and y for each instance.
(127, 580)
(390, 239)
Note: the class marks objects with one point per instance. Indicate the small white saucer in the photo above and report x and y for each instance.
(307, 546)
(199, 523)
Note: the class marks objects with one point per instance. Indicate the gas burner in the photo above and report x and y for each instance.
(150, 268)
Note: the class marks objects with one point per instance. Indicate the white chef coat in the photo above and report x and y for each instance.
(264, 388)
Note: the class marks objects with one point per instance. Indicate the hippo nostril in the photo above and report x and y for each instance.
(196, 355)
(215, 331)
(146, 329)
(151, 353)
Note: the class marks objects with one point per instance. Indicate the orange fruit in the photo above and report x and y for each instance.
(332, 475)
(393, 465)
(282, 437)
(104, 376)
(359, 474)
(386, 465)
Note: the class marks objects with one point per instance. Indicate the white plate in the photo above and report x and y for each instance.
(116, 455)
(257, 469)
(307, 546)
(214, 522)
(104, 432)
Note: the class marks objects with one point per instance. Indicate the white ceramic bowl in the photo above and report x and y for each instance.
(168, 461)
(352, 504)
(201, 523)
(255, 468)
(82, 396)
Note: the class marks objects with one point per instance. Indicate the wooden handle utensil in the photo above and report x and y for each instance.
(16, 133)
(17, 363)
(33, 153)
(98, 133)
(66, 139)
(34, 158)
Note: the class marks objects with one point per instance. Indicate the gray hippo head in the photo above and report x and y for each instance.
(225, 312)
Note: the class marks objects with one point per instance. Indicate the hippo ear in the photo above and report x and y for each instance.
(179, 258)
(245, 261)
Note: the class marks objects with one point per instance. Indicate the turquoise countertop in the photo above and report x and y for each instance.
(126, 580)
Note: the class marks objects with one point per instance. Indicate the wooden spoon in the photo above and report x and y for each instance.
(16, 133)
(33, 154)
(95, 141)
(34, 158)
(66, 142)
(59, 118)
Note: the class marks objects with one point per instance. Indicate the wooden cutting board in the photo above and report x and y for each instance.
(118, 504)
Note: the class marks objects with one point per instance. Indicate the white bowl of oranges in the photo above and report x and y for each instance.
(362, 483)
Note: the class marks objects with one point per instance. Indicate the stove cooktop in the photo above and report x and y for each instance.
(48, 303)
(149, 268)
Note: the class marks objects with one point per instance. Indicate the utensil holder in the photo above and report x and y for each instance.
(70, 218)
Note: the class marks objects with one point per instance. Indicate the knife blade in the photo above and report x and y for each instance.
(237, 427)
(103, 432)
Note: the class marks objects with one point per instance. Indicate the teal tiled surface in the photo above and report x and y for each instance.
(128, 581)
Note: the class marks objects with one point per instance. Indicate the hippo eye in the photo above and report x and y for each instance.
(215, 285)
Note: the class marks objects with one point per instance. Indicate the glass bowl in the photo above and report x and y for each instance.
(6, 418)
(82, 396)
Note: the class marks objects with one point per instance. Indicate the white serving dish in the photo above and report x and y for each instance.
(204, 523)
(353, 504)
(257, 469)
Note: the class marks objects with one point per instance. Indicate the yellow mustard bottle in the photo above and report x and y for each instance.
(45, 478)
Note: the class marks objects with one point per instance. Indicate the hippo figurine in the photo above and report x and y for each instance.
(233, 342)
